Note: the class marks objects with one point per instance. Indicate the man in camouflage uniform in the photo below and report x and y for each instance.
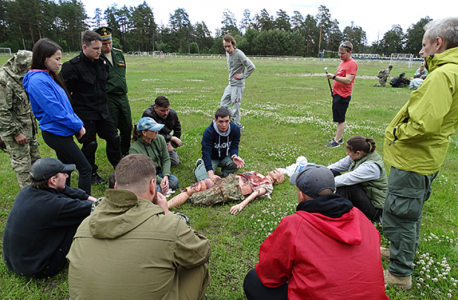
(116, 88)
(18, 125)
(383, 76)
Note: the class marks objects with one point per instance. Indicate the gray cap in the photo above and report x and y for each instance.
(47, 167)
(147, 123)
(313, 179)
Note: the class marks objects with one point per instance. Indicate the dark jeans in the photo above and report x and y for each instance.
(254, 289)
(358, 197)
(68, 152)
(57, 261)
(106, 130)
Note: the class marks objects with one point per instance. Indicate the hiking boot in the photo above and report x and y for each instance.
(385, 253)
(333, 144)
(339, 141)
(198, 162)
(96, 179)
(404, 282)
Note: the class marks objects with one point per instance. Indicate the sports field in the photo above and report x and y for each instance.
(286, 109)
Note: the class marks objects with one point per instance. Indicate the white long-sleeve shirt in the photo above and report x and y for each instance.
(366, 171)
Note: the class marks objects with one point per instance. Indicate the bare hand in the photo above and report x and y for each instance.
(165, 185)
(237, 76)
(169, 147)
(81, 132)
(329, 75)
(21, 139)
(90, 198)
(161, 201)
(214, 178)
(176, 141)
(236, 208)
(238, 162)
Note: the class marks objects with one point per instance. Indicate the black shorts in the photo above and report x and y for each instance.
(339, 107)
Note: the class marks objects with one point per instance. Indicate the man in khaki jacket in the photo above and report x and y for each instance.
(132, 247)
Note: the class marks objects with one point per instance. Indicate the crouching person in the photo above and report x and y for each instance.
(327, 250)
(43, 221)
(132, 247)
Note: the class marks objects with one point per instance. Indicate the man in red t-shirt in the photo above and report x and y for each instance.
(342, 88)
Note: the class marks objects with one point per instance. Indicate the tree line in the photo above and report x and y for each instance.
(23, 22)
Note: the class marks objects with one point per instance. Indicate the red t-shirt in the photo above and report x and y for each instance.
(346, 67)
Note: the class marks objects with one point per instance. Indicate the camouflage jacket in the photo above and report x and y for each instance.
(15, 110)
(383, 74)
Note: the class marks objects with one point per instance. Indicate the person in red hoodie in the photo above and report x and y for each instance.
(328, 249)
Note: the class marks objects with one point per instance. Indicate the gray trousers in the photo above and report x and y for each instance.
(226, 164)
(174, 159)
(406, 195)
(233, 95)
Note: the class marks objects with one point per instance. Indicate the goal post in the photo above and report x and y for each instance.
(401, 57)
(5, 50)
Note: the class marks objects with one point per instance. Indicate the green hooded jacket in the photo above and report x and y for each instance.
(129, 249)
(417, 139)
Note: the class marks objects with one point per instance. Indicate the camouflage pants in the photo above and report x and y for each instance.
(22, 156)
(225, 190)
(382, 82)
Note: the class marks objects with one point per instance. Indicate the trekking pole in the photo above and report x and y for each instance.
(329, 82)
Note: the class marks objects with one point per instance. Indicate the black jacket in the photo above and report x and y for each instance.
(170, 123)
(86, 81)
(37, 225)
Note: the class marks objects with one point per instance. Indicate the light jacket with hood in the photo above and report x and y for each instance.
(417, 139)
(217, 145)
(50, 104)
(324, 256)
(129, 249)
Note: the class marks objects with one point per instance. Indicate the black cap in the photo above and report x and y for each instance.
(105, 32)
(313, 179)
(47, 167)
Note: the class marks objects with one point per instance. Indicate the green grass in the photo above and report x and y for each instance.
(286, 114)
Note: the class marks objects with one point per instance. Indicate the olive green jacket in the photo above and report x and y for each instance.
(116, 83)
(418, 137)
(157, 151)
(129, 249)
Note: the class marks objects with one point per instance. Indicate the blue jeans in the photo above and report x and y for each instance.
(173, 182)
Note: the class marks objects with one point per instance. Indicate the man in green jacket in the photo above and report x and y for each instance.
(416, 143)
(132, 247)
(116, 88)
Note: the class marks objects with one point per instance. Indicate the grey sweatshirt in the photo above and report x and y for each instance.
(237, 62)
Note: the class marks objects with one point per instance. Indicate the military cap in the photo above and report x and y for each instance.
(105, 33)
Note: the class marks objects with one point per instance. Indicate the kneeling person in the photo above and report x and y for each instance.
(220, 148)
(43, 221)
(153, 255)
(148, 142)
(300, 258)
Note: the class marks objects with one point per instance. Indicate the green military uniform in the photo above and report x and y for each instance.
(383, 77)
(116, 88)
(16, 116)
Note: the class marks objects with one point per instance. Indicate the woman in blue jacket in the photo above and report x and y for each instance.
(51, 106)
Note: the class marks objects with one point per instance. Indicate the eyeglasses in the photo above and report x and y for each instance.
(343, 45)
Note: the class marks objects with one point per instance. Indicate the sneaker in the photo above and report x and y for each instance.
(404, 282)
(339, 141)
(96, 179)
(241, 126)
(198, 162)
(385, 253)
(333, 144)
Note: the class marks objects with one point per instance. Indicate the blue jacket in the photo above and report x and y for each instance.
(50, 104)
(215, 146)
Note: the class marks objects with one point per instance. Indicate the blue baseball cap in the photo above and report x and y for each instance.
(148, 123)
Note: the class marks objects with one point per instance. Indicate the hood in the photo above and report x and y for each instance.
(446, 57)
(29, 75)
(120, 212)
(345, 228)
(18, 65)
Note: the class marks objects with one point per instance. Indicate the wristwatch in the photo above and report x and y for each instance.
(334, 78)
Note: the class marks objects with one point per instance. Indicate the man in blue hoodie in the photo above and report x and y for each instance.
(220, 148)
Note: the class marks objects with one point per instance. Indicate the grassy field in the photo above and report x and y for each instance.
(286, 110)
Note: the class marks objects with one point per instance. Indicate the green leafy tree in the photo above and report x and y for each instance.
(203, 37)
(393, 40)
(264, 21)
(335, 36)
(324, 24)
(246, 20)
(72, 17)
(297, 21)
(298, 43)
(180, 26)
(143, 27)
(229, 23)
(414, 36)
(357, 36)
(282, 21)
(311, 33)
(97, 17)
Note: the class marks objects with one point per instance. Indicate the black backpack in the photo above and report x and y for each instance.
(393, 80)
